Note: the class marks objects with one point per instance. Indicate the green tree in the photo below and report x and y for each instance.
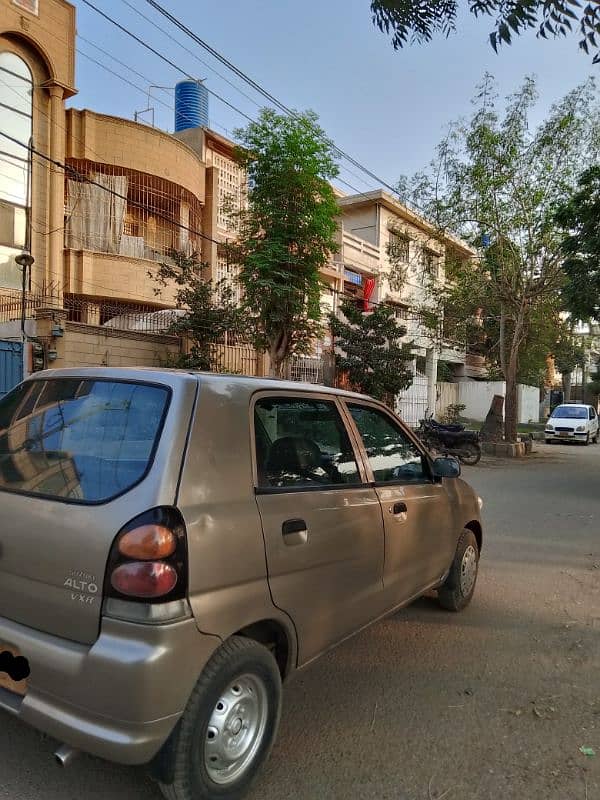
(210, 311)
(288, 231)
(406, 21)
(370, 350)
(498, 181)
(568, 354)
(580, 218)
(593, 386)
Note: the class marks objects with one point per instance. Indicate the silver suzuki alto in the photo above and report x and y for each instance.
(174, 545)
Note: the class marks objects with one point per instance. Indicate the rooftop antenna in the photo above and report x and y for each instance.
(150, 109)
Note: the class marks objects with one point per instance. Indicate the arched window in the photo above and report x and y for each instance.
(16, 106)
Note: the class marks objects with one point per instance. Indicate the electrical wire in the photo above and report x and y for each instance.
(190, 52)
(168, 61)
(260, 89)
(69, 170)
(186, 75)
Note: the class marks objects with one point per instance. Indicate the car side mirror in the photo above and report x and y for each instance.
(446, 467)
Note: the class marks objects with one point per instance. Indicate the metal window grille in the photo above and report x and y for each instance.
(158, 217)
(229, 273)
(232, 192)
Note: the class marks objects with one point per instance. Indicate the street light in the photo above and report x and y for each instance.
(25, 260)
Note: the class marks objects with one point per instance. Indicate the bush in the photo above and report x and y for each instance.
(452, 413)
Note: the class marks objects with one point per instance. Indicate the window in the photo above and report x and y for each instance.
(429, 262)
(399, 247)
(392, 455)
(29, 5)
(592, 414)
(79, 440)
(16, 93)
(569, 412)
(302, 443)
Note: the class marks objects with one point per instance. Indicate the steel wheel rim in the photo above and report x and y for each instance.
(236, 729)
(468, 571)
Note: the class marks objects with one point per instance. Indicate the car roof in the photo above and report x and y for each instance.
(243, 383)
(574, 405)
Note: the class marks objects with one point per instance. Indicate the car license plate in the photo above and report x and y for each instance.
(8, 654)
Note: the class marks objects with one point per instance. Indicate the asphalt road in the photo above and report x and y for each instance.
(491, 703)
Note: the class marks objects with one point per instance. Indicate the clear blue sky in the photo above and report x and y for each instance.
(388, 109)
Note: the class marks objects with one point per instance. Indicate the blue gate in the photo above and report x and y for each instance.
(11, 365)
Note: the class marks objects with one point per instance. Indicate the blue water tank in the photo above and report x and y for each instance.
(191, 105)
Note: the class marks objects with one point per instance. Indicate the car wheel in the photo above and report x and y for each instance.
(587, 440)
(458, 588)
(548, 441)
(228, 727)
(595, 439)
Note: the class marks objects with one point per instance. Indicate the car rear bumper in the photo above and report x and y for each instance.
(119, 698)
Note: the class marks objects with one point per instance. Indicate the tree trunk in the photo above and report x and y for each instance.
(566, 383)
(511, 406)
(511, 410)
(277, 356)
(493, 426)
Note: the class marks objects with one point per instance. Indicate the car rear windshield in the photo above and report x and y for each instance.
(566, 412)
(80, 440)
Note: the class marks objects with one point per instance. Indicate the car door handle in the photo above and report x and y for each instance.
(294, 532)
(399, 508)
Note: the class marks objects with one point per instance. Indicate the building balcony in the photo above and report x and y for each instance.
(358, 255)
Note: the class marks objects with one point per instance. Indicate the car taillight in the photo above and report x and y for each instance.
(148, 542)
(148, 559)
(147, 579)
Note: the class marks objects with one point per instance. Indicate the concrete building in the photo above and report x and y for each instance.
(375, 225)
(98, 201)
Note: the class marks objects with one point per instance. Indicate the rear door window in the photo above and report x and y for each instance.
(302, 442)
(79, 440)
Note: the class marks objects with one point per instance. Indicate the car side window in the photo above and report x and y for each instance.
(592, 413)
(302, 442)
(393, 457)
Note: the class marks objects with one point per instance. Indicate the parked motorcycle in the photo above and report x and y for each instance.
(451, 439)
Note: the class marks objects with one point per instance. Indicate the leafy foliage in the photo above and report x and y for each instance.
(496, 179)
(288, 230)
(407, 21)
(211, 311)
(568, 353)
(370, 350)
(580, 218)
(452, 413)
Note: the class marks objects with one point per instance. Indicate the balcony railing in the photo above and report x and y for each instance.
(357, 254)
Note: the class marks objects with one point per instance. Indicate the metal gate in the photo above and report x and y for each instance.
(11, 365)
(411, 404)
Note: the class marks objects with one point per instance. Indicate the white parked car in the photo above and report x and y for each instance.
(572, 422)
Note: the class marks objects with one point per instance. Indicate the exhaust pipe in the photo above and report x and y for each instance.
(65, 755)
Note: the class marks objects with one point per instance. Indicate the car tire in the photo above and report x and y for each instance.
(459, 586)
(228, 727)
(587, 440)
(548, 441)
(595, 439)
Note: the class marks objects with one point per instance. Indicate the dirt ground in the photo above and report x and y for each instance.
(492, 703)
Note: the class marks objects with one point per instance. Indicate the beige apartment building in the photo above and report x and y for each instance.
(371, 224)
(100, 201)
